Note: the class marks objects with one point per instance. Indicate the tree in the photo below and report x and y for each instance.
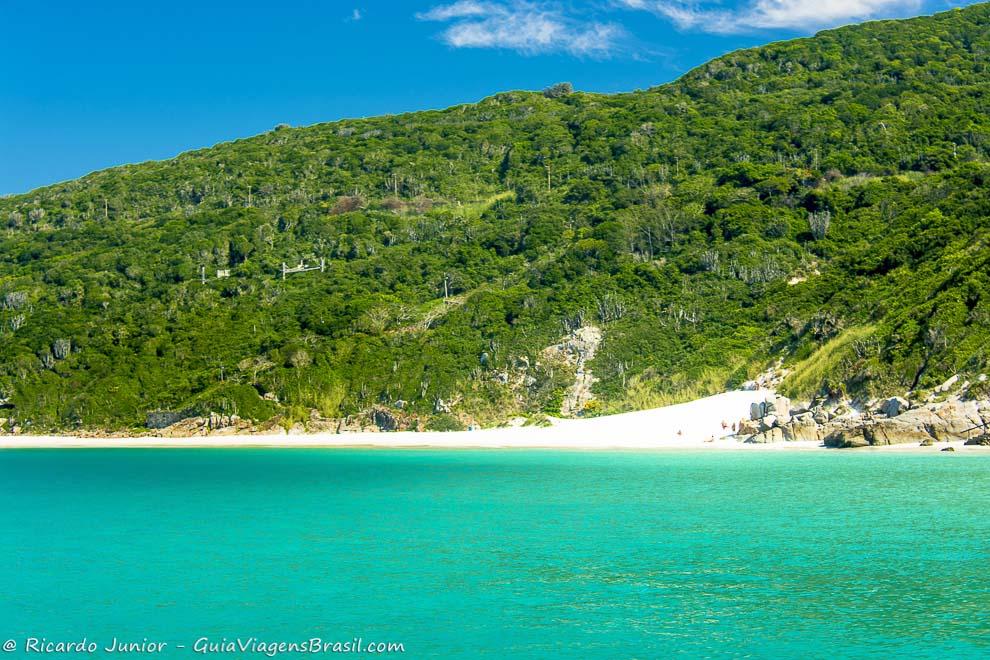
(558, 91)
(819, 223)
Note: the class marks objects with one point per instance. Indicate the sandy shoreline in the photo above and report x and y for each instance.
(697, 425)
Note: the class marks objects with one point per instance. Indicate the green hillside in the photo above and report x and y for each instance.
(825, 200)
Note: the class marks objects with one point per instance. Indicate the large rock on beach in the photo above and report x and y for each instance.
(802, 428)
(767, 437)
(748, 427)
(847, 438)
(954, 420)
(895, 432)
(780, 406)
(951, 421)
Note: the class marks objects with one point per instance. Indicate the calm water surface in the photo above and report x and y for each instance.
(498, 554)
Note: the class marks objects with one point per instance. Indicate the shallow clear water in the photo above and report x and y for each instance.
(480, 553)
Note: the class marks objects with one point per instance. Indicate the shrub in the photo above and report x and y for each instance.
(444, 423)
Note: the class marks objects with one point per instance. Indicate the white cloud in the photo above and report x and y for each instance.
(771, 14)
(460, 9)
(526, 27)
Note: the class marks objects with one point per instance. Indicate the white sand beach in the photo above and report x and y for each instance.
(705, 424)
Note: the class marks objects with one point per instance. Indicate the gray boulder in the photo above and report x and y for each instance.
(748, 427)
(767, 437)
(847, 438)
(894, 406)
(947, 385)
(802, 428)
(384, 420)
(950, 421)
(781, 406)
(895, 432)
(942, 423)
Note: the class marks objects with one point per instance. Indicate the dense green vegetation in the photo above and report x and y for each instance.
(824, 200)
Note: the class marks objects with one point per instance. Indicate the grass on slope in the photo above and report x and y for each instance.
(807, 377)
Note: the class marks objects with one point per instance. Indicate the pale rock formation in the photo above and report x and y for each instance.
(577, 350)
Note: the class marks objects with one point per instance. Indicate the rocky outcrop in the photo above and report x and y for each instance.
(211, 424)
(384, 420)
(802, 428)
(781, 409)
(777, 407)
(771, 421)
(747, 428)
(895, 432)
(775, 434)
(950, 421)
(894, 406)
(947, 385)
(847, 438)
(577, 350)
(953, 420)
(867, 432)
(768, 380)
(160, 419)
(842, 424)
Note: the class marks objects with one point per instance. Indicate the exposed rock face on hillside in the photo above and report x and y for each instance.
(209, 424)
(577, 350)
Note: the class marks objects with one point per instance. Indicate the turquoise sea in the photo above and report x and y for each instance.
(499, 554)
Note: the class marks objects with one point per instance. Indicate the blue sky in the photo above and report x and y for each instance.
(84, 86)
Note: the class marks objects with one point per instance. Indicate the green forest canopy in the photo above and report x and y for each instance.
(823, 200)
